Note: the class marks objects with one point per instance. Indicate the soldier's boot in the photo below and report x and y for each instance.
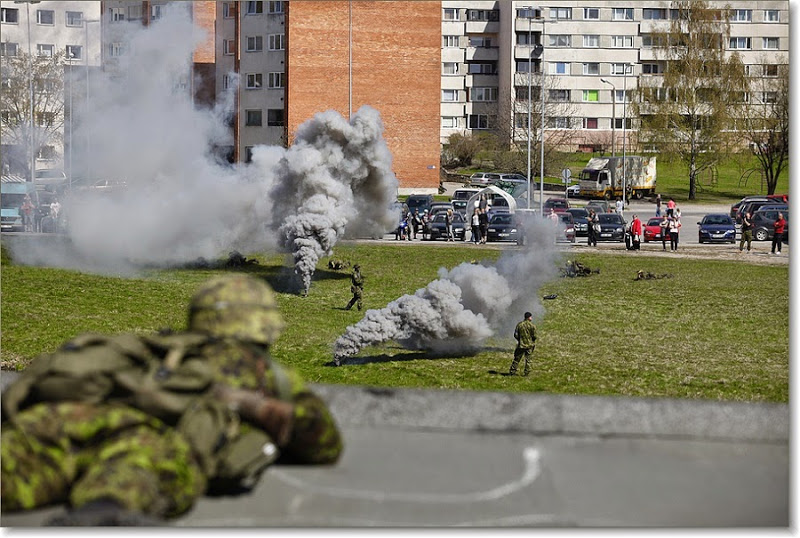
(104, 512)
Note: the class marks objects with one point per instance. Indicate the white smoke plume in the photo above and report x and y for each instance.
(335, 178)
(181, 203)
(465, 306)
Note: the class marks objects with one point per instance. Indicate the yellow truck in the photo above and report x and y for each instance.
(603, 177)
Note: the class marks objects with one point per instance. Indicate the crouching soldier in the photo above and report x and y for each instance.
(132, 429)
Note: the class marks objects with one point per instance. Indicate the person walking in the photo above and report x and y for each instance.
(592, 224)
(356, 288)
(777, 236)
(664, 226)
(525, 334)
(747, 232)
(620, 207)
(658, 205)
(133, 429)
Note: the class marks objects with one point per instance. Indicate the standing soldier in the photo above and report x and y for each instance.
(525, 334)
(356, 287)
(131, 429)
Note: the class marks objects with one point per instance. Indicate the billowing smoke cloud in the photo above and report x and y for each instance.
(181, 203)
(457, 312)
(336, 177)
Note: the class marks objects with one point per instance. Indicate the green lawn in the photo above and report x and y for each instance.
(686, 336)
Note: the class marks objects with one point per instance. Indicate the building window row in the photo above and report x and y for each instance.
(627, 14)
(45, 17)
(255, 81)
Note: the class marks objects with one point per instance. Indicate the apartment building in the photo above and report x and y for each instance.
(594, 54)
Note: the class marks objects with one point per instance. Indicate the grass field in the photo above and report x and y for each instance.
(707, 332)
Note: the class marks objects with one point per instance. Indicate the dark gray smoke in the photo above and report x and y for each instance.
(336, 178)
(465, 306)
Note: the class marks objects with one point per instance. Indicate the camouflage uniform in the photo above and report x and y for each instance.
(356, 288)
(525, 333)
(82, 452)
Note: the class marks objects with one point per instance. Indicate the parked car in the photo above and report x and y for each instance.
(716, 227)
(460, 206)
(612, 227)
(483, 179)
(573, 190)
(764, 221)
(753, 206)
(567, 226)
(464, 193)
(438, 230)
(599, 206)
(438, 207)
(557, 204)
(652, 229)
(580, 217)
(503, 227)
(419, 202)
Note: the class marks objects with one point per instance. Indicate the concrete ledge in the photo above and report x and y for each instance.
(557, 414)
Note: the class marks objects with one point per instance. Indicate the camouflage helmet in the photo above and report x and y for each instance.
(239, 306)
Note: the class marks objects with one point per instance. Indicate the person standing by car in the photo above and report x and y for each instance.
(619, 206)
(747, 232)
(448, 224)
(26, 210)
(636, 232)
(777, 237)
(592, 224)
(483, 224)
(476, 229)
(674, 229)
(664, 225)
(525, 334)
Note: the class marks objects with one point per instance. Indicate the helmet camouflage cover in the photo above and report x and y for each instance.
(239, 306)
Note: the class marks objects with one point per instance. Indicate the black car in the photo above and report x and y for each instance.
(738, 206)
(716, 228)
(438, 230)
(764, 222)
(612, 227)
(599, 206)
(502, 227)
(580, 217)
(419, 202)
(751, 207)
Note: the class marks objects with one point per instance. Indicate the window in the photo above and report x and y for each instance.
(740, 43)
(561, 13)
(450, 68)
(449, 96)
(483, 94)
(559, 68)
(650, 41)
(622, 41)
(589, 123)
(619, 69)
(449, 122)
(275, 80)
(478, 121)
(8, 49)
(253, 118)
(741, 15)
(522, 66)
(255, 43)
(770, 70)
(227, 82)
(591, 41)
(651, 69)
(620, 96)
(770, 43)
(450, 14)
(622, 14)
(116, 49)
(591, 68)
(46, 152)
(520, 120)
(156, 11)
(45, 119)
(618, 123)
(74, 18)
(480, 41)
(74, 52)
(591, 13)
(255, 8)
(481, 69)
(275, 117)
(254, 81)
(9, 15)
(521, 92)
(771, 15)
(483, 15)
(45, 50)
(134, 12)
(228, 46)
(45, 16)
(227, 10)
(558, 95)
(275, 7)
(651, 14)
(560, 40)
(248, 154)
(450, 41)
(769, 97)
(117, 14)
(559, 122)
(590, 96)
(276, 41)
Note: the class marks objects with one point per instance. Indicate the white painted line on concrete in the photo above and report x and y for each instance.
(532, 470)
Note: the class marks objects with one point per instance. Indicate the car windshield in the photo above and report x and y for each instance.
(609, 218)
(578, 212)
(655, 221)
(501, 219)
(566, 217)
(717, 219)
(555, 203)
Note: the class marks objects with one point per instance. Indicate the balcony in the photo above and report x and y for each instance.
(535, 25)
(483, 27)
(481, 80)
(482, 53)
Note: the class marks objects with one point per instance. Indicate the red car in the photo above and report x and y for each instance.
(652, 229)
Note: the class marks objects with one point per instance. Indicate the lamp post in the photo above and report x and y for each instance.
(624, 119)
(532, 52)
(71, 57)
(541, 128)
(613, 116)
(86, 111)
(31, 139)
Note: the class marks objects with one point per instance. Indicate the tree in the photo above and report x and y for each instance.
(47, 75)
(764, 119)
(689, 114)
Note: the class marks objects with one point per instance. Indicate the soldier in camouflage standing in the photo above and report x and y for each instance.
(356, 287)
(525, 334)
(128, 450)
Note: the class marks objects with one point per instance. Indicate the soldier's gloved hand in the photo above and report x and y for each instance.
(274, 416)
